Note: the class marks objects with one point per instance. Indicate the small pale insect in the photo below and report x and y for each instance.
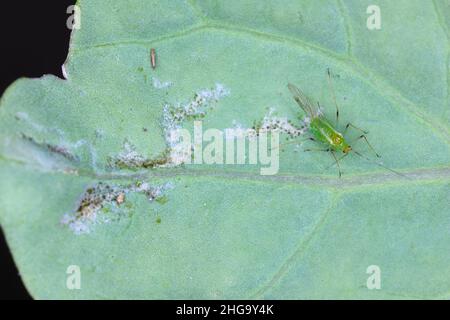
(321, 130)
(153, 58)
(120, 199)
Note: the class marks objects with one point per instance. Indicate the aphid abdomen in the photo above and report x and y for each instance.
(321, 130)
(324, 132)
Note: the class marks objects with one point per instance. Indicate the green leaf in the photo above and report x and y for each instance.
(85, 167)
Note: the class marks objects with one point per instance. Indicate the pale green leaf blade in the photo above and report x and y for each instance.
(225, 231)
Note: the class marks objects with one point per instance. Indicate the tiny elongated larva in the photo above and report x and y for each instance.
(120, 198)
(153, 58)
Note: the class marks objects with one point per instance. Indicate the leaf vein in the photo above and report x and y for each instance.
(298, 252)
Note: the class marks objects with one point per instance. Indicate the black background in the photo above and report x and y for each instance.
(34, 41)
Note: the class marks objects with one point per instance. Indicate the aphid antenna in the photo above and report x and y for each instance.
(339, 159)
(380, 164)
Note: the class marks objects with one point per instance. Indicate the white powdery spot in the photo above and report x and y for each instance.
(239, 131)
(104, 203)
(152, 192)
(179, 153)
(77, 226)
(42, 157)
(158, 84)
(281, 124)
(205, 96)
(270, 123)
(90, 148)
(23, 116)
(129, 156)
(174, 116)
(64, 147)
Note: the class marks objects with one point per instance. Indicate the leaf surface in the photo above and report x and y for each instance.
(225, 231)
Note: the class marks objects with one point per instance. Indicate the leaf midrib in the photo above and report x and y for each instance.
(348, 182)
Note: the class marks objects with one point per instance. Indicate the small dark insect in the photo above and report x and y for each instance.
(153, 58)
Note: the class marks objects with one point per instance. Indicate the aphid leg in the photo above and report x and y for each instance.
(354, 127)
(322, 150)
(330, 83)
(368, 143)
(339, 159)
(337, 163)
(294, 141)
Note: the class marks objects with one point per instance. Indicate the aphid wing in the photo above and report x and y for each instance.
(302, 100)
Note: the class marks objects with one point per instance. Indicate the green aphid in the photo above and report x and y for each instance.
(322, 131)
